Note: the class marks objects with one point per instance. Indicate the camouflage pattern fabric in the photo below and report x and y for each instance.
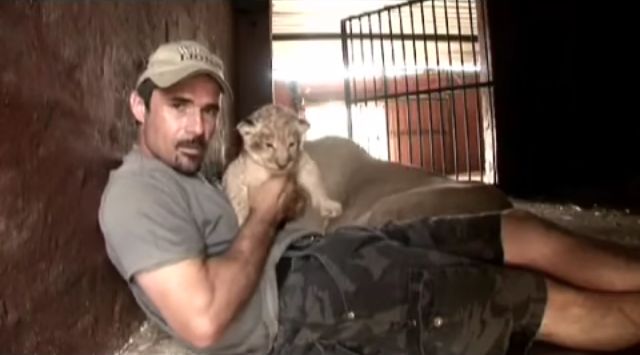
(435, 286)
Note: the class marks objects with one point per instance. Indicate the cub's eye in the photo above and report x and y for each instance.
(269, 145)
(292, 144)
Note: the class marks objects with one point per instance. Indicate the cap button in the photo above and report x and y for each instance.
(350, 315)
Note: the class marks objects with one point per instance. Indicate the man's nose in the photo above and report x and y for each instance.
(195, 123)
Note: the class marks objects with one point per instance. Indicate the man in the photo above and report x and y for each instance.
(433, 286)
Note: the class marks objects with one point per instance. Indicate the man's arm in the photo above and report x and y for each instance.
(199, 298)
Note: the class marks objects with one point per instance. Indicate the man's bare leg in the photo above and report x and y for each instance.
(534, 243)
(590, 320)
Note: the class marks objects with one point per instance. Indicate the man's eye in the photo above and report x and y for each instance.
(292, 144)
(211, 112)
(179, 105)
(269, 145)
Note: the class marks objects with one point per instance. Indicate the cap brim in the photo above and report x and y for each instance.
(167, 78)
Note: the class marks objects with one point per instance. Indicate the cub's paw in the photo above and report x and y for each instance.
(330, 209)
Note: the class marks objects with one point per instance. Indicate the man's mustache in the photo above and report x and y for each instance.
(195, 143)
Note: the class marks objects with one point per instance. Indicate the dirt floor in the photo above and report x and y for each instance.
(619, 226)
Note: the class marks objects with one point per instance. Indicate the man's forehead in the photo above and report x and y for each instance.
(201, 84)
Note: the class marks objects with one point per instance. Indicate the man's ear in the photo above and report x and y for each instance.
(137, 107)
(246, 128)
(303, 126)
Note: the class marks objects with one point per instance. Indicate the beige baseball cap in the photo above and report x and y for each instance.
(174, 61)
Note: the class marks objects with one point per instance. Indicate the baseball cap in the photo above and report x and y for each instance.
(174, 61)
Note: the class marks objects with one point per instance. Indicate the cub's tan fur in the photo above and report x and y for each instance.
(273, 139)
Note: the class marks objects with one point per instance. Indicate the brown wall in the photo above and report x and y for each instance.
(66, 69)
(451, 120)
(446, 124)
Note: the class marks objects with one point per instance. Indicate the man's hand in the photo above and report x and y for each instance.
(272, 201)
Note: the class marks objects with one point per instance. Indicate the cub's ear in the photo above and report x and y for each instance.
(246, 128)
(303, 126)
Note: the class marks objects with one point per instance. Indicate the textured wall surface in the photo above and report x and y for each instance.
(66, 69)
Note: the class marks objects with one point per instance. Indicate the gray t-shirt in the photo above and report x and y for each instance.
(152, 216)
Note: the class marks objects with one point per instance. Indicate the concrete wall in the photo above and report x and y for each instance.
(66, 70)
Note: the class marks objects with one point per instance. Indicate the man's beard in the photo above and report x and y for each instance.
(186, 165)
(189, 164)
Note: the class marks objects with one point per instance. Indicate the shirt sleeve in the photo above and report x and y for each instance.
(147, 224)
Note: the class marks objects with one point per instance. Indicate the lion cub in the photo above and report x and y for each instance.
(273, 137)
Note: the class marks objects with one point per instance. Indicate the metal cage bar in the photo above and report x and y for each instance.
(426, 66)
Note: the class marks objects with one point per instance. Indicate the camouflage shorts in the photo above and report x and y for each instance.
(431, 287)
